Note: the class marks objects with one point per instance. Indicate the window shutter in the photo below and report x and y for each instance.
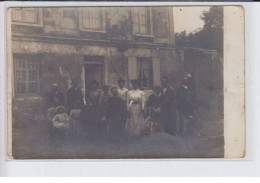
(29, 15)
(156, 72)
(17, 14)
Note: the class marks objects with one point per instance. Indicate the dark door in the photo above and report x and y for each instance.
(93, 71)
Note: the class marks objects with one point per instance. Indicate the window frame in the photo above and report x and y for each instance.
(149, 22)
(38, 81)
(102, 21)
(149, 60)
(39, 18)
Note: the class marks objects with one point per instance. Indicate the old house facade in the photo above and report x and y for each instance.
(54, 45)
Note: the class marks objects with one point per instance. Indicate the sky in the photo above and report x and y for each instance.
(188, 18)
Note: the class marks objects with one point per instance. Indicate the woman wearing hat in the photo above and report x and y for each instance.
(135, 105)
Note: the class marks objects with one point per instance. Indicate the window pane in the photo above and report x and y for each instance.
(26, 15)
(142, 29)
(26, 74)
(20, 64)
(96, 23)
(29, 15)
(17, 14)
(21, 76)
(32, 64)
(91, 18)
(146, 76)
(33, 88)
(140, 20)
(21, 88)
(145, 72)
(33, 75)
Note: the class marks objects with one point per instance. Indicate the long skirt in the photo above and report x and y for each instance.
(135, 124)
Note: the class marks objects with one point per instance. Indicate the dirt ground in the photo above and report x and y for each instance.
(33, 142)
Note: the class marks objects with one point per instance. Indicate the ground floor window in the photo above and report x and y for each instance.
(26, 74)
(145, 72)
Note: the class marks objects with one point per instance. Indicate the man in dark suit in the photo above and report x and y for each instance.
(116, 115)
(74, 96)
(185, 105)
(168, 107)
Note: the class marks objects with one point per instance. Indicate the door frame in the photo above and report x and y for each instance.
(102, 72)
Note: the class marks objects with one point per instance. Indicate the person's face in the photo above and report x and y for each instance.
(121, 84)
(114, 92)
(164, 82)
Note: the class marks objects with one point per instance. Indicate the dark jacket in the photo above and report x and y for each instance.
(54, 98)
(154, 101)
(74, 99)
(185, 100)
(168, 111)
(116, 115)
(116, 108)
(168, 100)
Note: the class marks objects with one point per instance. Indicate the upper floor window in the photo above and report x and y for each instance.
(27, 16)
(26, 74)
(92, 18)
(142, 20)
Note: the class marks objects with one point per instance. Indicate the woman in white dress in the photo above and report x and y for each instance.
(135, 124)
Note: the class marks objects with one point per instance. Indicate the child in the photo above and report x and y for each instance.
(61, 119)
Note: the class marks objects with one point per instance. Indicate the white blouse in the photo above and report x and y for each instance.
(122, 93)
(135, 96)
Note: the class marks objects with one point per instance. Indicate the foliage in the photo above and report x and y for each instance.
(210, 36)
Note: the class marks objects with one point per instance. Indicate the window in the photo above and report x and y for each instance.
(92, 18)
(145, 72)
(141, 21)
(25, 15)
(26, 74)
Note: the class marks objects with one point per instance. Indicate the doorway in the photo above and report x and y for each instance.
(93, 71)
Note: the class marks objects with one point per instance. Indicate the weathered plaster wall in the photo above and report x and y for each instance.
(207, 68)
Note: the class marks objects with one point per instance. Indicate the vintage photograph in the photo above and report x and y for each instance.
(116, 82)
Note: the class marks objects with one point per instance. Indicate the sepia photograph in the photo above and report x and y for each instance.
(128, 82)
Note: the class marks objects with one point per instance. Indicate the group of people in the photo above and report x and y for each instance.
(120, 110)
